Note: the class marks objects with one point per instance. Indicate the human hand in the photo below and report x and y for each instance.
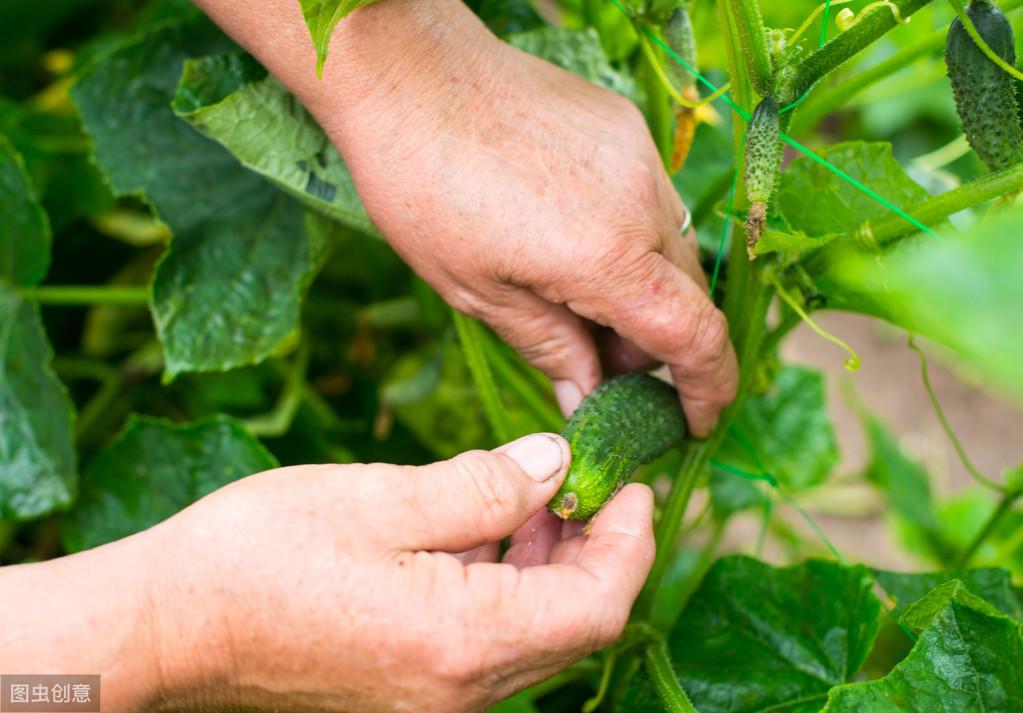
(528, 197)
(331, 588)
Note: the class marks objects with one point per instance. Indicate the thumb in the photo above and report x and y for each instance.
(482, 496)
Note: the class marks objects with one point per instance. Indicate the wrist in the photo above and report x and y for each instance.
(393, 56)
(87, 613)
(187, 621)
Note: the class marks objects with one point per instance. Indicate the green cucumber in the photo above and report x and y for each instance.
(678, 31)
(625, 423)
(682, 40)
(985, 94)
(764, 150)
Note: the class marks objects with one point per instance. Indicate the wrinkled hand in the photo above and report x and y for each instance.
(330, 587)
(529, 198)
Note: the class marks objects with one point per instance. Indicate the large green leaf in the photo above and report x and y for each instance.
(321, 17)
(992, 585)
(154, 469)
(837, 206)
(578, 51)
(964, 292)
(786, 430)
(228, 291)
(24, 229)
(756, 639)
(213, 293)
(265, 127)
(37, 454)
(968, 658)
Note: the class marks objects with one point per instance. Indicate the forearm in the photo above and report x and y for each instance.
(104, 612)
(80, 615)
(378, 52)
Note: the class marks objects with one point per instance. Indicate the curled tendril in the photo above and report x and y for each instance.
(846, 19)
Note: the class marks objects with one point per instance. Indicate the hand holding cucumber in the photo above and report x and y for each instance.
(342, 587)
(557, 217)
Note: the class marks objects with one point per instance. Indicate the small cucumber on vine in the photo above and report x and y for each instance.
(764, 150)
(625, 423)
(682, 40)
(985, 94)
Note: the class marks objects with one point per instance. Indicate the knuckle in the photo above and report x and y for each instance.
(488, 478)
(708, 341)
(710, 331)
(466, 301)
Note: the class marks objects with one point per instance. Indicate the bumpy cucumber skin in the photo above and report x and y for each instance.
(625, 423)
(763, 152)
(764, 149)
(985, 94)
(682, 40)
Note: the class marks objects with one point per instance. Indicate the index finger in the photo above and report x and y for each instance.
(657, 306)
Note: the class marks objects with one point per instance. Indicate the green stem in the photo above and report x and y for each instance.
(543, 411)
(470, 334)
(6, 533)
(938, 208)
(658, 103)
(1005, 504)
(670, 523)
(964, 458)
(827, 101)
(88, 295)
(932, 211)
(752, 36)
(868, 29)
(662, 675)
(110, 382)
(834, 97)
(790, 319)
(591, 14)
(278, 420)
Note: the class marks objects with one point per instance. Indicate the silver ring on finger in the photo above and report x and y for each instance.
(687, 224)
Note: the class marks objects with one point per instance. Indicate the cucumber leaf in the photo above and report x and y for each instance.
(154, 469)
(269, 132)
(963, 292)
(321, 17)
(756, 638)
(229, 289)
(579, 52)
(37, 454)
(837, 206)
(786, 431)
(991, 584)
(968, 657)
(25, 233)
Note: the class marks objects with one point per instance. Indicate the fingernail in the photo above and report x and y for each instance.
(569, 395)
(540, 456)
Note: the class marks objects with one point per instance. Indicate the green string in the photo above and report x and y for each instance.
(788, 139)
(724, 234)
(766, 476)
(824, 25)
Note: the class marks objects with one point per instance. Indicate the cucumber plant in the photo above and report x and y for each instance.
(127, 345)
